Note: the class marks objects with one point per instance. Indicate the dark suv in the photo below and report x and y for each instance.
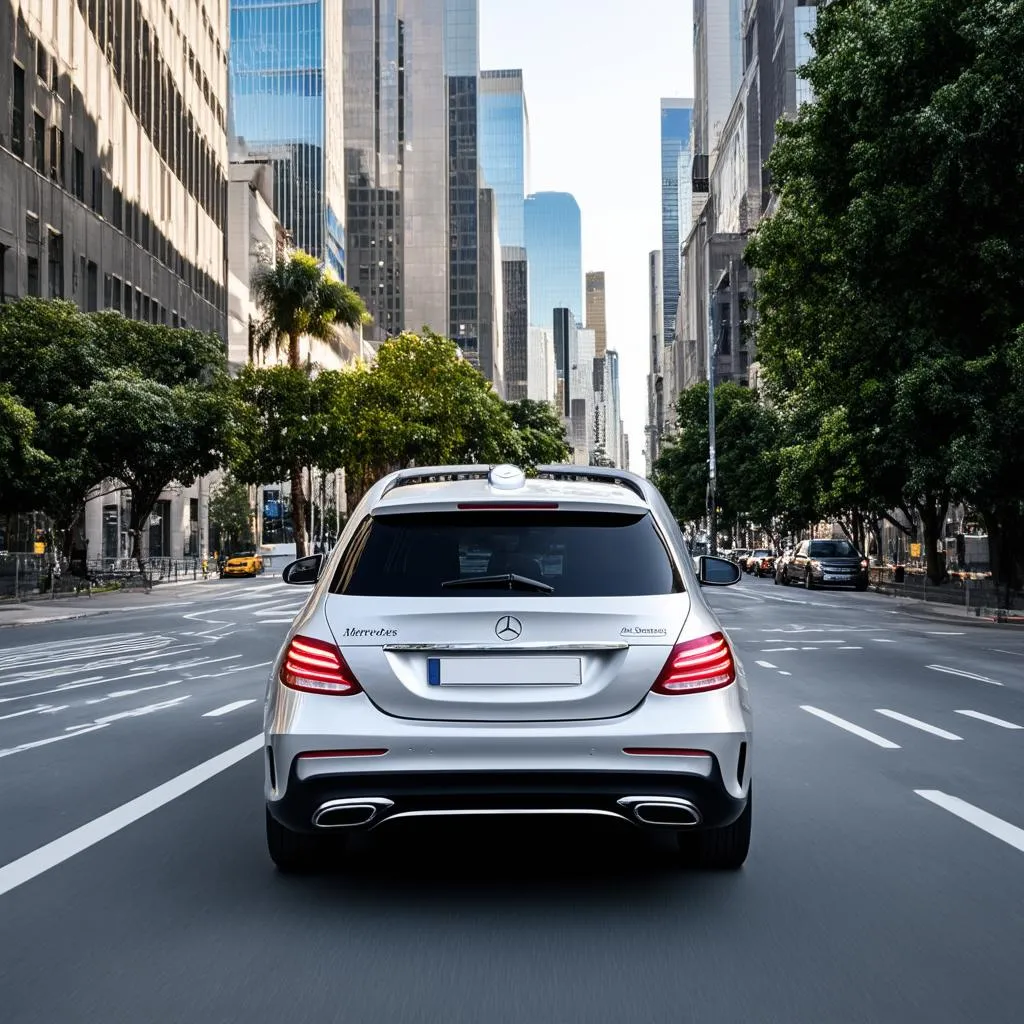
(827, 563)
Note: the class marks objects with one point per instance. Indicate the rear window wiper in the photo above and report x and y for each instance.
(511, 579)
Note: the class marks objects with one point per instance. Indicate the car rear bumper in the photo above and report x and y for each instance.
(648, 799)
(857, 580)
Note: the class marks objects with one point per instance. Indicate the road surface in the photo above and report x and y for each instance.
(885, 882)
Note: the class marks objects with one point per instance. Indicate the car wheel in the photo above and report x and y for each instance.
(785, 578)
(296, 852)
(719, 849)
(862, 587)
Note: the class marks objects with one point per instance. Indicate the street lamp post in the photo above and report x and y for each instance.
(712, 452)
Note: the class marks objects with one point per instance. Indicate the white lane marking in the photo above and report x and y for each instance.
(1001, 722)
(1010, 834)
(132, 693)
(966, 675)
(228, 708)
(941, 632)
(29, 711)
(864, 734)
(781, 673)
(851, 648)
(875, 640)
(53, 711)
(33, 864)
(100, 723)
(916, 723)
(765, 664)
(999, 650)
(275, 622)
(231, 671)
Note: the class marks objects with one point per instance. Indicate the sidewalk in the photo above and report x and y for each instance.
(952, 613)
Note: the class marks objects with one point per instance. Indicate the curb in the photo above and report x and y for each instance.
(59, 618)
(976, 622)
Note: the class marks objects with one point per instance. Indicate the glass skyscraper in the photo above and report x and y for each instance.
(287, 105)
(676, 116)
(504, 148)
(554, 248)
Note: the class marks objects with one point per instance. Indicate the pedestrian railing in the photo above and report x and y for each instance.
(973, 591)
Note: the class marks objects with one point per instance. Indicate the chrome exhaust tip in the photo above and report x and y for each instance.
(662, 811)
(353, 812)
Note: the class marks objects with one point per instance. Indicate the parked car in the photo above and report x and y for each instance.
(754, 559)
(480, 643)
(739, 556)
(764, 565)
(782, 567)
(828, 563)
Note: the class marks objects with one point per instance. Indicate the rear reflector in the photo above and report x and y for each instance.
(664, 752)
(315, 666)
(315, 755)
(505, 506)
(697, 666)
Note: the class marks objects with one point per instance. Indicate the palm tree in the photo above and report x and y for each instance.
(297, 296)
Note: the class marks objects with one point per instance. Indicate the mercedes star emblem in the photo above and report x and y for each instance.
(509, 628)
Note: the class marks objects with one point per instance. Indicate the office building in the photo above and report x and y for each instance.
(505, 148)
(595, 311)
(491, 352)
(582, 426)
(541, 367)
(287, 91)
(554, 248)
(676, 117)
(515, 298)
(613, 404)
(113, 160)
(656, 345)
(374, 134)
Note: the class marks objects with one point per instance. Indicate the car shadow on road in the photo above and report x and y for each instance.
(445, 864)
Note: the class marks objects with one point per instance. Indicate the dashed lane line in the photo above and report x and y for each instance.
(1009, 834)
(765, 664)
(228, 708)
(965, 675)
(916, 723)
(856, 730)
(1001, 722)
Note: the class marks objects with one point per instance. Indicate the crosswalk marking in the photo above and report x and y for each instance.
(1009, 834)
(856, 730)
(1001, 722)
(916, 723)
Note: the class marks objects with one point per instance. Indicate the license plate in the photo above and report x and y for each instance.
(504, 671)
(832, 578)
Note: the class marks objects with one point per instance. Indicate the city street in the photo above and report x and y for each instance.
(885, 881)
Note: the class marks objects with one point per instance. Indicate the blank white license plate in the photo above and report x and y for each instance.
(832, 578)
(504, 671)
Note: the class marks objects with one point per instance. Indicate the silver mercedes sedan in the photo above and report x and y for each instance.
(483, 643)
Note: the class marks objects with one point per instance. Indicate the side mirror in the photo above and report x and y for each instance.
(717, 572)
(303, 572)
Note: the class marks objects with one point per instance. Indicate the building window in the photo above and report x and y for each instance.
(42, 62)
(4, 249)
(18, 114)
(54, 75)
(39, 143)
(108, 289)
(127, 307)
(92, 287)
(116, 293)
(56, 265)
(117, 208)
(33, 277)
(57, 155)
(97, 191)
(78, 175)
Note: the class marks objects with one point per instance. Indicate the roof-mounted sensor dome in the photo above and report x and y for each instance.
(506, 478)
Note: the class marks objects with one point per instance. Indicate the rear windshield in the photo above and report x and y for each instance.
(575, 554)
(832, 549)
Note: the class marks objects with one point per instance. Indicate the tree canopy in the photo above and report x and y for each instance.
(890, 294)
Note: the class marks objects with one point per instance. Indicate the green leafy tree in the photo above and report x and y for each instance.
(540, 434)
(892, 276)
(297, 297)
(418, 403)
(231, 512)
(746, 435)
(151, 434)
(22, 465)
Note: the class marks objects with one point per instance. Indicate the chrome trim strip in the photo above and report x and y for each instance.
(612, 645)
(506, 811)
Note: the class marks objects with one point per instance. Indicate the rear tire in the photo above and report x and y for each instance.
(296, 853)
(862, 587)
(785, 578)
(719, 849)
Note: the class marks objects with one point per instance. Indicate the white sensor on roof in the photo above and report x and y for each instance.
(506, 478)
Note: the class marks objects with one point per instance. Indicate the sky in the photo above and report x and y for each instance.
(594, 72)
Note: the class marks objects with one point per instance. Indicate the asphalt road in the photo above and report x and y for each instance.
(885, 882)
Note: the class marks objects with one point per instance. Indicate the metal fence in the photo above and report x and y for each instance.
(976, 593)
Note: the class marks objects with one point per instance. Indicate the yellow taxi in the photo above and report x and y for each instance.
(243, 563)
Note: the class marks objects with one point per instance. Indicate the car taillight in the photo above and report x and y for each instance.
(314, 666)
(696, 666)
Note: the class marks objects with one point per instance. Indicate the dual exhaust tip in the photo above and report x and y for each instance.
(651, 811)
